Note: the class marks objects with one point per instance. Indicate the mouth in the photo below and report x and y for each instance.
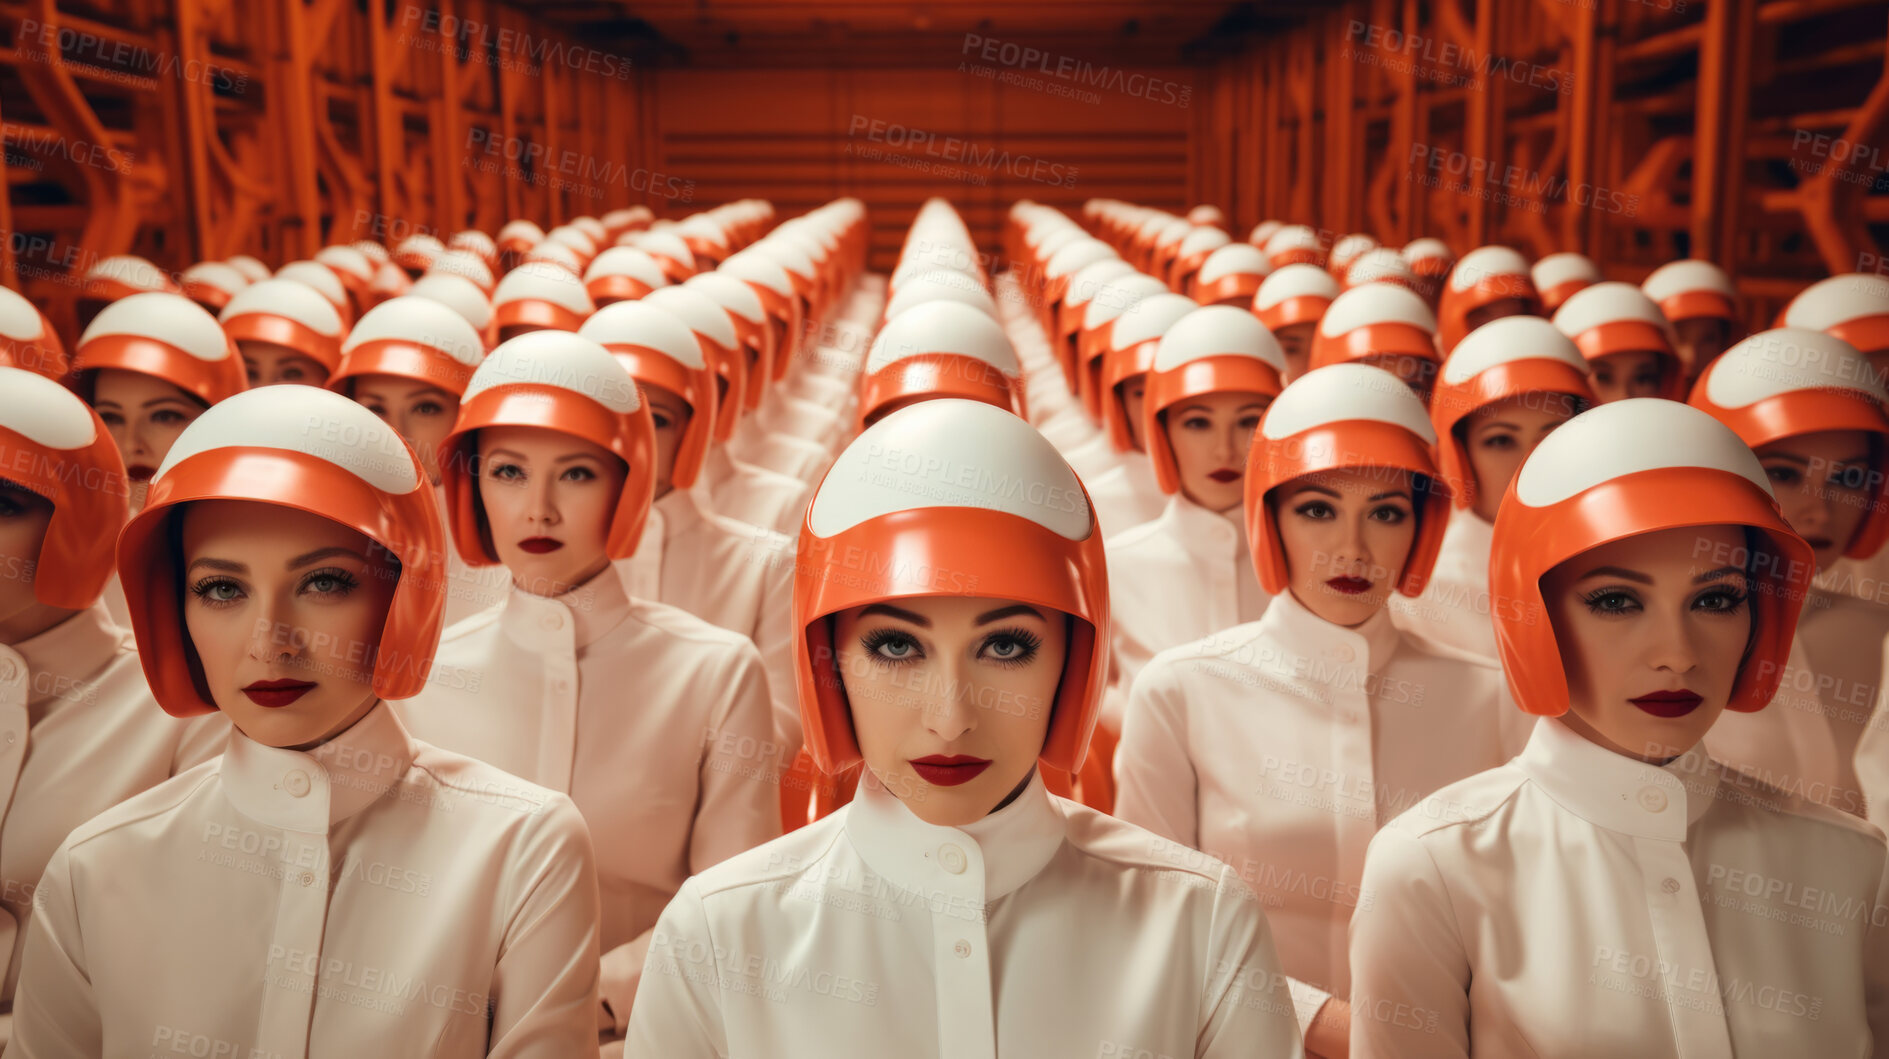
(1820, 544)
(1668, 704)
(139, 472)
(1350, 586)
(949, 770)
(540, 545)
(277, 693)
(1225, 476)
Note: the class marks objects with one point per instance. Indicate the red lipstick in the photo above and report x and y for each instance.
(140, 472)
(540, 545)
(1668, 704)
(949, 770)
(1224, 476)
(1350, 586)
(277, 693)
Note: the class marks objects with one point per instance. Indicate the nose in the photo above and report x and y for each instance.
(273, 638)
(1670, 646)
(542, 506)
(951, 712)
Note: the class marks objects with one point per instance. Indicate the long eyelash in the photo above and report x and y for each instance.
(340, 576)
(1735, 600)
(1023, 638)
(878, 638)
(202, 588)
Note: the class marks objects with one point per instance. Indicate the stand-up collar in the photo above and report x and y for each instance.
(1618, 792)
(981, 861)
(312, 790)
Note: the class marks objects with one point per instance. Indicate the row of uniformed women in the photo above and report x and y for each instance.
(1194, 727)
(421, 347)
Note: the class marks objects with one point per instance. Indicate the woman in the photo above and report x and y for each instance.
(407, 361)
(938, 912)
(1613, 890)
(1811, 408)
(655, 722)
(1381, 325)
(1489, 283)
(287, 332)
(330, 885)
(1627, 342)
(1281, 745)
(1290, 303)
(1127, 495)
(1187, 574)
(1507, 385)
(1702, 305)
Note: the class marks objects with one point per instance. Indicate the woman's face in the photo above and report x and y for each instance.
(285, 611)
(671, 415)
(1494, 310)
(144, 415)
(1499, 436)
(951, 697)
(1418, 373)
(423, 414)
(1134, 392)
(1346, 536)
(1701, 340)
(24, 516)
(548, 499)
(1296, 342)
(1651, 637)
(1210, 436)
(1623, 375)
(268, 364)
(1825, 484)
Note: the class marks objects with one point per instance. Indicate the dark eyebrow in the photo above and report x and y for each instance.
(1616, 571)
(522, 458)
(1310, 488)
(1394, 494)
(225, 565)
(900, 613)
(1713, 575)
(323, 553)
(167, 399)
(1788, 457)
(1493, 424)
(1004, 612)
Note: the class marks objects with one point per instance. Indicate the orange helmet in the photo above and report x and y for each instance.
(253, 270)
(1485, 275)
(720, 341)
(1687, 290)
(1343, 417)
(352, 268)
(1374, 320)
(1855, 308)
(466, 264)
(286, 313)
(1213, 349)
(1610, 318)
(1195, 247)
(322, 280)
(622, 273)
(1037, 544)
(460, 295)
(657, 348)
(53, 444)
(212, 284)
(772, 285)
(1295, 294)
(1558, 276)
(1789, 381)
(1110, 303)
(558, 381)
(311, 450)
(1346, 251)
(414, 338)
(1131, 353)
(940, 349)
(1382, 265)
(540, 296)
(163, 335)
(123, 275)
(1617, 471)
(754, 337)
(27, 339)
(1504, 358)
(417, 252)
(1231, 275)
(1295, 244)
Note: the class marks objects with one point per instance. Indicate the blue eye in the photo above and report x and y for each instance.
(1012, 647)
(891, 646)
(217, 591)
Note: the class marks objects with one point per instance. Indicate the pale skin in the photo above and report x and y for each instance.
(1619, 376)
(1357, 523)
(1296, 341)
(144, 415)
(545, 485)
(1823, 484)
(1418, 373)
(1134, 393)
(1648, 614)
(1499, 437)
(272, 593)
(1701, 339)
(954, 676)
(422, 413)
(671, 415)
(24, 516)
(268, 364)
(1494, 310)
(1210, 436)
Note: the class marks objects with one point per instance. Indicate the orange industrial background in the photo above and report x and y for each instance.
(1754, 133)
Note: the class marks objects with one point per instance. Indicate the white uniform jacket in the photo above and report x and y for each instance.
(1044, 930)
(1181, 577)
(79, 733)
(750, 494)
(656, 723)
(1809, 740)
(1282, 745)
(1578, 902)
(1455, 608)
(732, 575)
(783, 453)
(1126, 496)
(374, 896)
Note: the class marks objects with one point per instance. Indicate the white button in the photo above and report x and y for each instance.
(552, 621)
(962, 948)
(560, 685)
(296, 783)
(308, 879)
(1652, 799)
(952, 858)
(1669, 884)
(12, 737)
(9, 669)
(1344, 653)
